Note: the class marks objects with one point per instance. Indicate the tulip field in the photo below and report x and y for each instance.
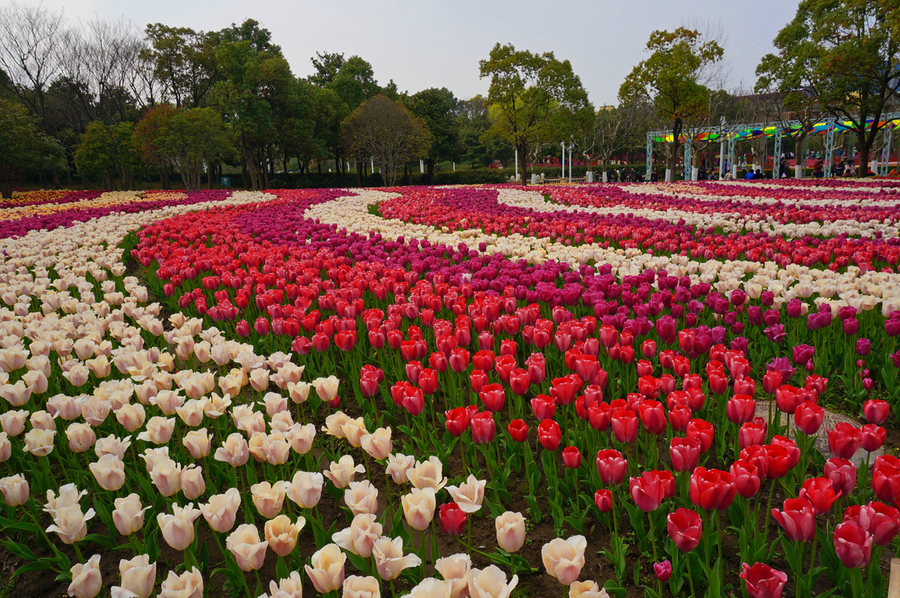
(486, 391)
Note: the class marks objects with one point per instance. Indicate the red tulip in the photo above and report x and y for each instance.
(611, 465)
(718, 383)
(879, 519)
(712, 488)
(549, 434)
(345, 340)
(518, 430)
(242, 329)
(493, 397)
(820, 493)
(762, 581)
(624, 425)
(519, 381)
(663, 570)
(564, 390)
(438, 361)
(809, 417)
(679, 417)
(740, 409)
(842, 475)
(648, 348)
(571, 457)
(790, 446)
(844, 440)
(603, 500)
(478, 380)
(459, 360)
(413, 400)
(703, 430)
(853, 544)
(428, 380)
(746, 477)
(452, 519)
(537, 368)
(647, 491)
(876, 411)
(648, 386)
(413, 371)
(482, 426)
(543, 407)
(872, 437)
(261, 326)
(685, 528)
(483, 360)
(653, 416)
(750, 434)
(685, 453)
(457, 420)
(886, 478)
(798, 518)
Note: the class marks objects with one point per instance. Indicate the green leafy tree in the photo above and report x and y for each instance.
(842, 56)
(672, 78)
(436, 109)
(354, 82)
(193, 139)
(474, 121)
(148, 135)
(386, 132)
(183, 61)
(108, 153)
(255, 87)
(327, 65)
(533, 97)
(24, 148)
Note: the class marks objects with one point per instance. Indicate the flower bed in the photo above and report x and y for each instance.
(450, 391)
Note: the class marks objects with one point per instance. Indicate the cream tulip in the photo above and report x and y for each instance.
(245, 545)
(341, 472)
(469, 495)
(389, 558)
(361, 497)
(361, 536)
(281, 534)
(221, 510)
(427, 474)
(326, 569)
(326, 388)
(109, 471)
(234, 451)
(491, 583)
(14, 489)
(70, 523)
(186, 585)
(510, 531)
(128, 515)
(138, 575)
(586, 589)
(399, 466)
(563, 559)
(86, 580)
(193, 484)
(356, 586)
(455, 569)
(431, 587)
(289, 587)
(378, 444)
(268, 498)
(305, 489)
(178, 528)
(418, 507)
(198, 443)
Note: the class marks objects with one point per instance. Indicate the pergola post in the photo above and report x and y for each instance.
(686, 175)
(649, 174)
(776, 159)
(829, 148)
(884, 162)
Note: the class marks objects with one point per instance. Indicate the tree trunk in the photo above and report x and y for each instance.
(358, 175)
(523, 162)
(672, 161)
(430, 165)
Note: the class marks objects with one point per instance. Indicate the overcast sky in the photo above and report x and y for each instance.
(424, 43)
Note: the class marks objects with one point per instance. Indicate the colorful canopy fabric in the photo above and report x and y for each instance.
(840, 126)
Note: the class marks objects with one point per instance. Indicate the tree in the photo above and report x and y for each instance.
(183, 61)
(255, 77)
(531, 96)
(614, 131)
(108, 153)
(435, 107)
(192, 139)
(843, 54)
(673, 78)
(23, 147)
(354, 82)
(386, 132)
(473, 121)
(327, 65)
(148, 135)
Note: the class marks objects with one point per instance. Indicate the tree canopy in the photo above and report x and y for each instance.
(534, 97)
(841, 57)
(386, 132)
